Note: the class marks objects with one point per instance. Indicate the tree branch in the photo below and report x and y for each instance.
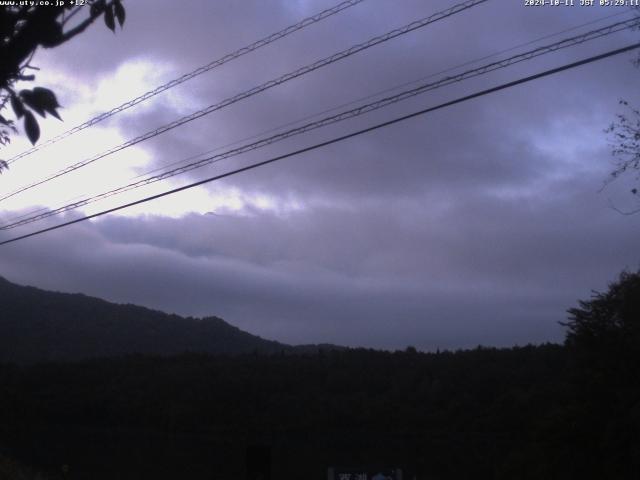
(622, 212)
(82, 26)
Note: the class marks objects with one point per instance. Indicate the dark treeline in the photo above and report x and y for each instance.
(567, 411)
(486, 413)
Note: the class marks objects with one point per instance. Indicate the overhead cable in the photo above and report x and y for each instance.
(347, 114)
(188, 76)
(488, 91)
(261, 88)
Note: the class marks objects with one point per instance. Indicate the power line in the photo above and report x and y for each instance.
(261, 88)
(198, 71)
(503, 86)
(380, 92)
(369, 107)
(346, 104)
(334, 119)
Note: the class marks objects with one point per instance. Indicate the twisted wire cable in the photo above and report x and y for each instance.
(331, 141)
(260, 88)
(188, 76)
(354, 112)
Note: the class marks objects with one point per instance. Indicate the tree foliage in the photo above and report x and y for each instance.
(603, 340)
(550, 411)
(609, 320)
(625, 148)
(24, 28)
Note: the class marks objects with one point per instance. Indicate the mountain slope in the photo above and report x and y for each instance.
(38, 325)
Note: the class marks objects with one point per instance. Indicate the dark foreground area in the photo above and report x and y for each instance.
(535, 412)
(532, 412)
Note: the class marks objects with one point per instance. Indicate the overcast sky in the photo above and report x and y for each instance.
(476, 224)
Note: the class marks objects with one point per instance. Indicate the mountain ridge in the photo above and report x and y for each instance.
(39, 325)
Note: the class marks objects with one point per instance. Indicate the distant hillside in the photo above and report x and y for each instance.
(38, 325)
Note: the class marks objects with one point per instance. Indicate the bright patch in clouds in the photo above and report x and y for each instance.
(221, 200)
(82, 102)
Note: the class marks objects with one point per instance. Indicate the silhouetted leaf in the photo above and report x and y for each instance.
(97, 8)
(50, 33)
(55, 114)
(46, 97)
(31, 127)
(46, 100)
(30, 100)
(109, 19)
(17, 106)
(41, 100)
(119, 11)
(3, 166)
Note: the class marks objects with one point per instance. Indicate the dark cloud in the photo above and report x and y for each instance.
(482, 269)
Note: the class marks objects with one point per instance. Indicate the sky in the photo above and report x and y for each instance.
(477, 224)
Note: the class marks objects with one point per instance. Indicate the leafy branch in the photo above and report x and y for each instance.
(23, 29)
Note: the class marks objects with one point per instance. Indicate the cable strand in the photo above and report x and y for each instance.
(488, 91)
(259, 89)
(354, 112)
(188, 76)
